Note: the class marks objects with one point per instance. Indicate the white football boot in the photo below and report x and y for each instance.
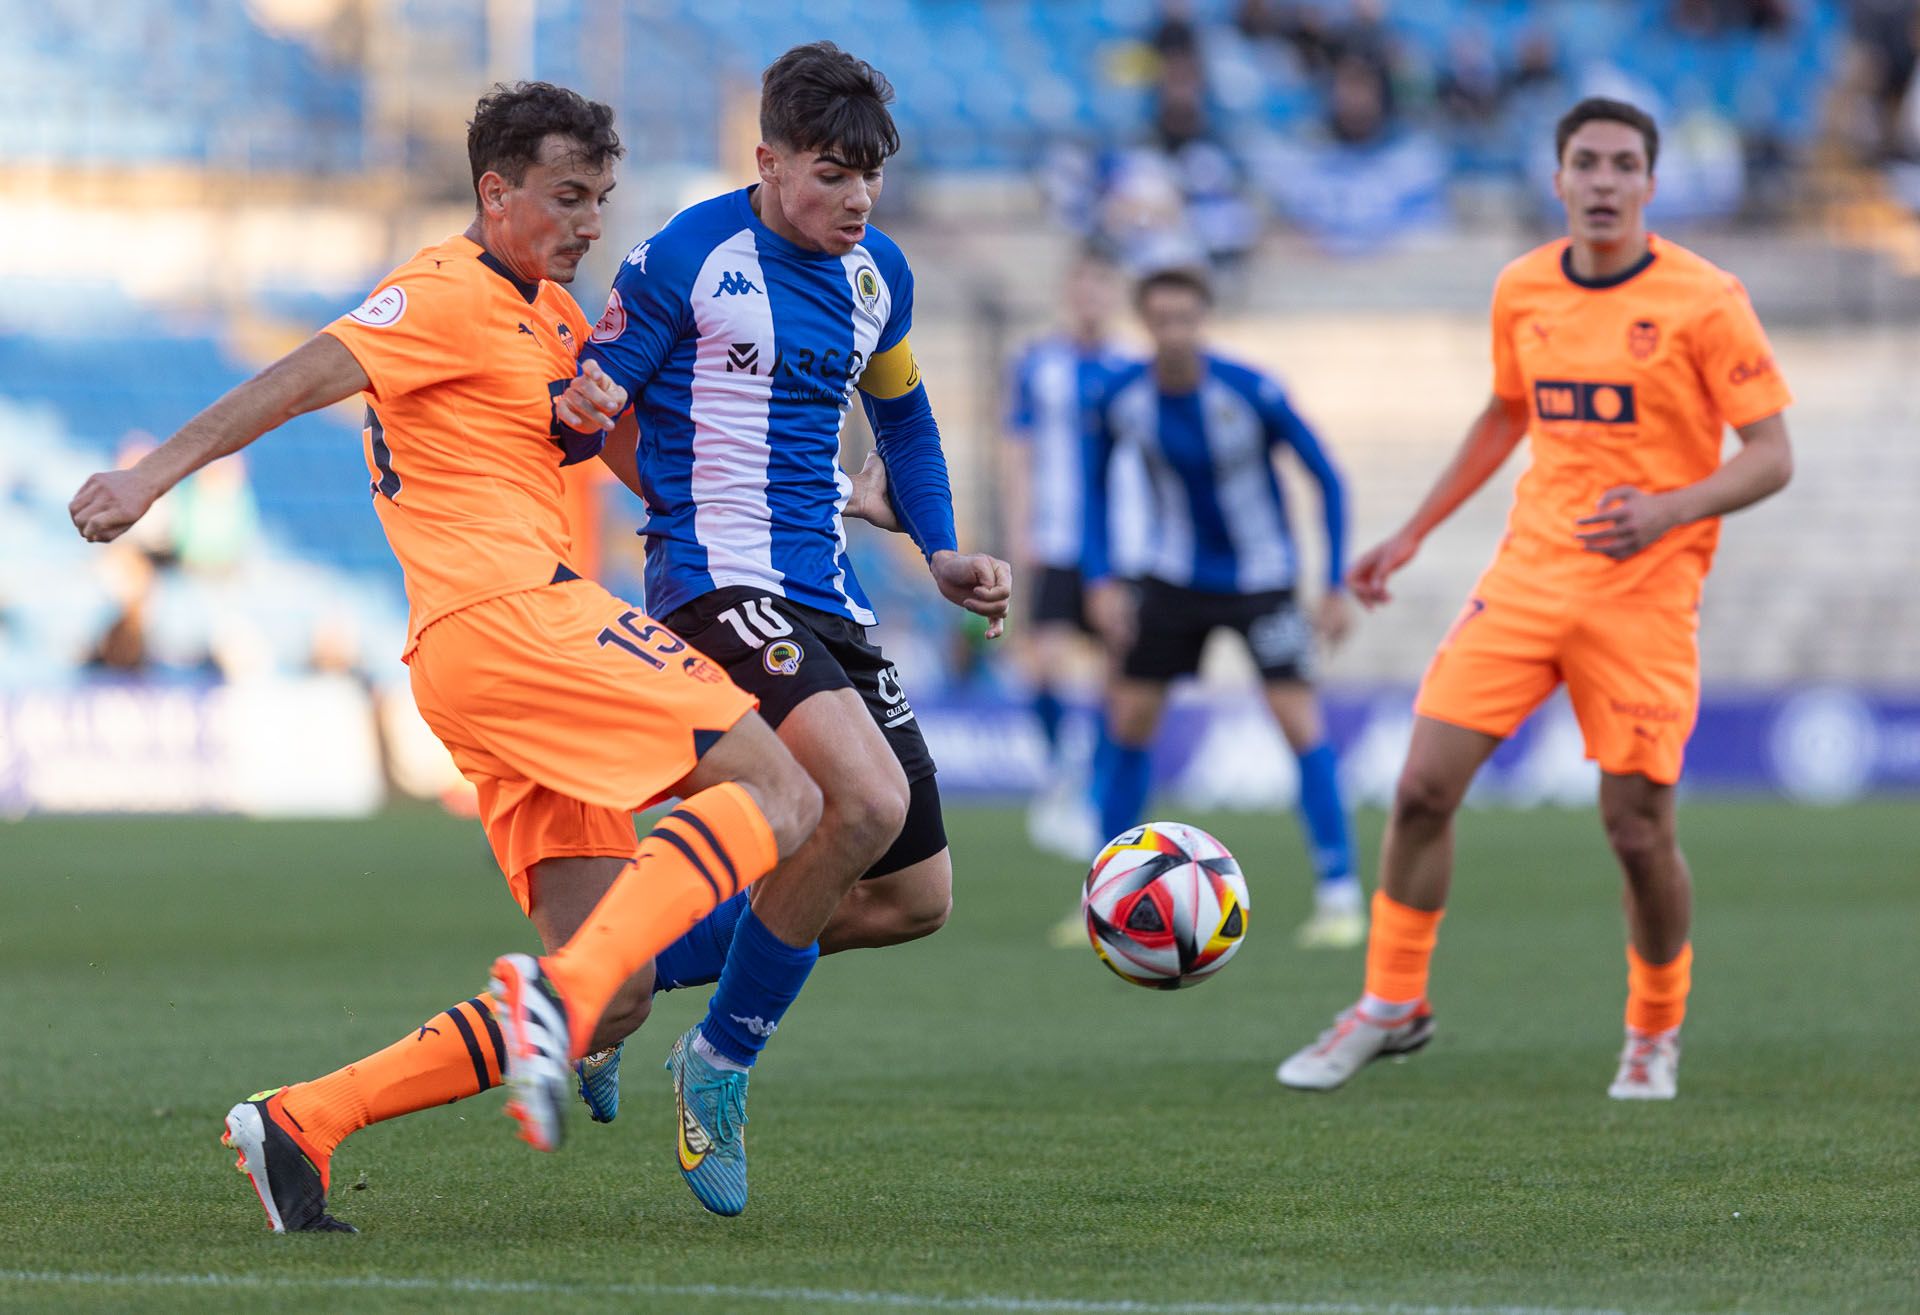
(1350, 1045)
(1649, 1066)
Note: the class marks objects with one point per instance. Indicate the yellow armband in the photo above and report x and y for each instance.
(892, 373)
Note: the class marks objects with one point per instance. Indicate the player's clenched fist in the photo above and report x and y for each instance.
(592, 401)
(109, 503)
(981, 583)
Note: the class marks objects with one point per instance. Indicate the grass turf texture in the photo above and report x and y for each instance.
(977, 1115)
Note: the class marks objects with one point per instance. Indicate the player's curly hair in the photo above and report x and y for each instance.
(817, 97)
(1599, 109)
(510, 122)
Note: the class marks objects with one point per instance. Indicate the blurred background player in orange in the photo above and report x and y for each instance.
(567, 708)
(1624, 356)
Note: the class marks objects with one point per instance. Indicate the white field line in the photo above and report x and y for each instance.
(828, 1298)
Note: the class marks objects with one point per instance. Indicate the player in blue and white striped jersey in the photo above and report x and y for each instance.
(1221, 556)
(1052, 387)
(742, 331)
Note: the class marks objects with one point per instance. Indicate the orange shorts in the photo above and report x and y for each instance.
(1632, 670)
(568, 710)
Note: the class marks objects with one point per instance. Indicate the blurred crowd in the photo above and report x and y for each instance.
(1360, 122)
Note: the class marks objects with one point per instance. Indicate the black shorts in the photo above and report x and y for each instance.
(1060, 598)
(1173, 624)
(783, 653)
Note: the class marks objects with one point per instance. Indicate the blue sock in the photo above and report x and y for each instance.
(697, 958)
(1326, 820)
(1049, 712)
(1123, 798)
(762, 976)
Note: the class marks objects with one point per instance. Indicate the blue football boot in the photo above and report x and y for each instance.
(600, 1082)
(712, 1105)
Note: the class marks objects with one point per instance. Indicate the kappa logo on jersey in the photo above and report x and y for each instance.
(613, 320)
(782, 657)
(381, 309)
(1577, 400)
(638, 256)
(733, 283)
(1643, 339)
(744, 357)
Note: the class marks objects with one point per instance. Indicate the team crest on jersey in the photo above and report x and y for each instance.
(1643, 339)
(381, 309)
(781, 657)
(613, 320)
(566, 335)
(866, 285)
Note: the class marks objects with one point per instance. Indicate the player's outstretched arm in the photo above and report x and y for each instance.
(1494, 434)
(318, 373)
(1628, 520)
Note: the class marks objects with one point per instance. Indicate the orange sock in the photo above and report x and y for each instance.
(1657, 992)
(454, 1054)
(700, 854)
(1399, 949)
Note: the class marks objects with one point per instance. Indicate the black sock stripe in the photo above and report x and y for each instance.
(672, 837)
(695, 821)
(473, 1047)
(493, 1035)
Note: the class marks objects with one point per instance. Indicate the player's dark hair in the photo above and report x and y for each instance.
(819, 98)
(510, 122)
(1187, 280)
(1598, 109)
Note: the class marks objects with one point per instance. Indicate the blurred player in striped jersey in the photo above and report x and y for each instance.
(1220, 556)
(1053, 386)
(1623, 358)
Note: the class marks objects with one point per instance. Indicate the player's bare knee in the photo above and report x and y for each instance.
(792, 804)
(868, 818)
(625, 1012)
(1424, 799)
(1639, 840)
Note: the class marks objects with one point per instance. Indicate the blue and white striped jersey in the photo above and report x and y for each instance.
(1218, 522)
(1056, 382)
(741, 352)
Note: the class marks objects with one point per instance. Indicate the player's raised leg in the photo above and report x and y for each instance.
(774, 947)
(1339, 920)
(745, 805)
(1416, 870)
(1639, 817)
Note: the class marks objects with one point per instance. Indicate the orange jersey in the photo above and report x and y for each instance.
(464, 361)
(1629, 382)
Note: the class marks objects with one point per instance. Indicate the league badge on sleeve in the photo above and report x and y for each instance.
(383, 308)
(613, 320)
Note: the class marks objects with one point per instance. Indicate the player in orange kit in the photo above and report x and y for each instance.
(567, 708)
(1624, 357)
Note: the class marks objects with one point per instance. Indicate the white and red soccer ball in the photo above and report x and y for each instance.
(1166, 905)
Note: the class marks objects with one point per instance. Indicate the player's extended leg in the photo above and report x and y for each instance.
(1338, 921)
(743, 807)
(1416, 869)
(865, 794)
(1658, 896)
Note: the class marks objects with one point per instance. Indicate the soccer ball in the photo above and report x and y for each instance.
(1166, 905)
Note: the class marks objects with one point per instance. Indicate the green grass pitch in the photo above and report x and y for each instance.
(977, 1122)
